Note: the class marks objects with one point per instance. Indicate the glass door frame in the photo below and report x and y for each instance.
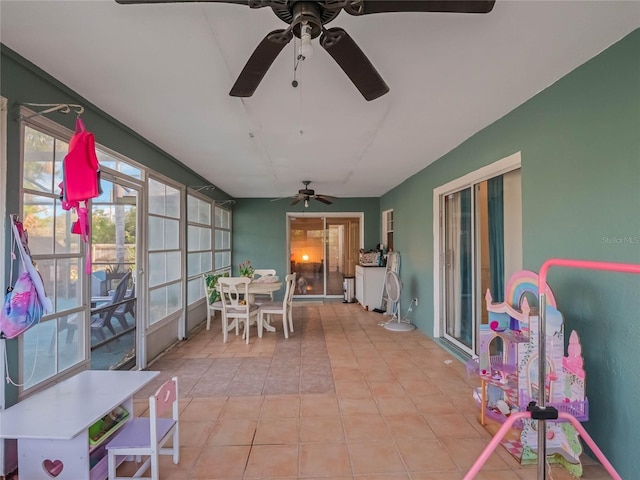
(500, 167)
(324, 216)
(140, 256)
(473, 257)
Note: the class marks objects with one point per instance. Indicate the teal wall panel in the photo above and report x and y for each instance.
(259, 227)
(580, 147)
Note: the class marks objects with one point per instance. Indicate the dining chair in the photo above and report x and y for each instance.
(234, 291)
(214, 304)
(259, 273)
(283, 308)
(147, 436)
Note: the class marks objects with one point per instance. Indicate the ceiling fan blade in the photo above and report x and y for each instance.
(296, 200)
(135, 2)
(354, 63)
(453, 6)
(259, 62)
(324, 199)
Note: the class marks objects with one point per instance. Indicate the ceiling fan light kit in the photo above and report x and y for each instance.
(307, 20)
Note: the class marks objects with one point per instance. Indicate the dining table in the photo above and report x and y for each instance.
(258, 287)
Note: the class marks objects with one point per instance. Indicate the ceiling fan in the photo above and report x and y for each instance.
(307, 21)
(307, 194)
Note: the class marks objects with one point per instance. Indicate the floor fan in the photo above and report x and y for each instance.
(393, 288)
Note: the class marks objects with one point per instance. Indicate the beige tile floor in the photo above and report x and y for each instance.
(342, 398)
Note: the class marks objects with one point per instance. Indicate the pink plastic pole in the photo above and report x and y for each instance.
(559, 262)
(495, 441)
(592, 445)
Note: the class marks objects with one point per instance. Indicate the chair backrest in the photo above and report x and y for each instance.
(117, 296)
(264, 272)
(290, 288)
(210, 282)
(232, 290)
(99, 284)
(121, 289)
(129, 307)
(165, 399)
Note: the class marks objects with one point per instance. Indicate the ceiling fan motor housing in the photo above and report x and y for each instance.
(306, 191)
(311, 13)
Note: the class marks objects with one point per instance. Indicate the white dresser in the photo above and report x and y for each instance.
(369, 283)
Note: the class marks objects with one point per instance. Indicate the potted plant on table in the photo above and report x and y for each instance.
(246, 269)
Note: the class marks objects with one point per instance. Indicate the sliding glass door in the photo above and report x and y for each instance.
(114, 275)
(323, 250)
(481, 247)
(458, 271)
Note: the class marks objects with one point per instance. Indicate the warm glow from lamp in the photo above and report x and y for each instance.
(305, 258)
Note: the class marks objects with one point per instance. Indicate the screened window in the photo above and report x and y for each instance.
(57, 342)
(112, 162)
(222, 243)
(199, 246)
(165, 256)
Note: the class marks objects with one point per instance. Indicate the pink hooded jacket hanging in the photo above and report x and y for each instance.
(81, 169)
(81, 181)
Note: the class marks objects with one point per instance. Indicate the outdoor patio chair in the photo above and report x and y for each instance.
(103, 318)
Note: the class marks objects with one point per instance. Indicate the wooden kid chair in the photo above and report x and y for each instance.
(147, 436)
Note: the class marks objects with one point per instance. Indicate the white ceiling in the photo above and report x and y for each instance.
(165, 71)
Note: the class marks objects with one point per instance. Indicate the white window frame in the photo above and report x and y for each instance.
(387, 225)
(222, 268)
(180, 312)
(53, 129)
(3, 215)
(500, 167)
(195, 223)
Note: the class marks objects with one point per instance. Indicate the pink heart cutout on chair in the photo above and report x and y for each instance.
(53, 468)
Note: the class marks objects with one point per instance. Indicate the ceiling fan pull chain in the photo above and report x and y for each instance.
(300, 130)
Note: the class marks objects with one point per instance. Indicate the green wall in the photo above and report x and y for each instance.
(580, 146)
(259, 227)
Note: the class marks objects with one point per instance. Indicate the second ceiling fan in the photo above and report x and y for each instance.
(307, 20)
(307, 194)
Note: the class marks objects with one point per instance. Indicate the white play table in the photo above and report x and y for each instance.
(52, 426)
